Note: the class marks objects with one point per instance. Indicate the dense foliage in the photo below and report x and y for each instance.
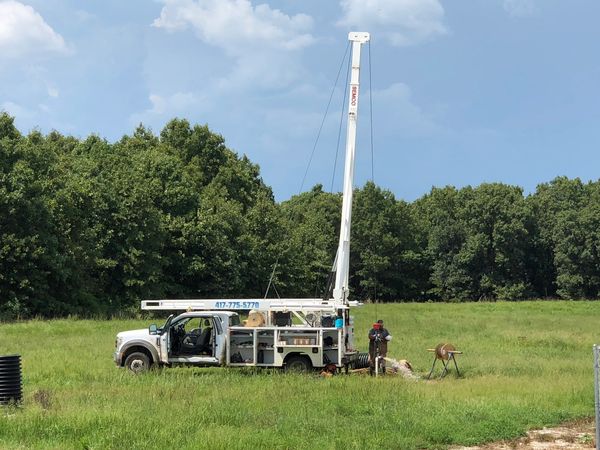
(90, 227)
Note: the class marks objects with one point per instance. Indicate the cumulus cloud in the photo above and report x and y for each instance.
(236, 25)
(16, 110)
(174, 103)
(167, 106)
(24, 32)
(401, 22)
(402, 116)
(52, 92)
(262, 42)
(520, 8)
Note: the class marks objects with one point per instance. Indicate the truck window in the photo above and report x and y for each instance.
(234, 321)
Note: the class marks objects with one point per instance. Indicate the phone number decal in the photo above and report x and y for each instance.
(237, 305)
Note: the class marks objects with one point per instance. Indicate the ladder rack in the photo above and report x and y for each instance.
(257, 304)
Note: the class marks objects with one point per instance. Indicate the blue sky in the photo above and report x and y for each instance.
(464, 92)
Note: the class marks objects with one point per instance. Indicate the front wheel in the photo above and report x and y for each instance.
(137, 362)
(298, 364)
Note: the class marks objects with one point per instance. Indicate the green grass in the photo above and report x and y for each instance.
(525, 365)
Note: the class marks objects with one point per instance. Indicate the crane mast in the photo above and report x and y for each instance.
(342, 264)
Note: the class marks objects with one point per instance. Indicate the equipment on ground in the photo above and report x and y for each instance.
(11, 389)
(444, 353)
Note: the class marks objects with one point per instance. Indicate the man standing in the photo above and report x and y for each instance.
(378, 339)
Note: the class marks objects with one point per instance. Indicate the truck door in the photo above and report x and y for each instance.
(164, 340)
(196, 337)
(219, 339)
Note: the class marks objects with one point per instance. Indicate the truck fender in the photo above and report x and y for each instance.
(140, 343)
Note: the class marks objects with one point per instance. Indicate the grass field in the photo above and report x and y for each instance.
(525, 365)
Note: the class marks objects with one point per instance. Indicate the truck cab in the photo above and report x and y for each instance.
(192, 338)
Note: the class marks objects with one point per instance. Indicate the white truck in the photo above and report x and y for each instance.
(297, 334)
(294, 334)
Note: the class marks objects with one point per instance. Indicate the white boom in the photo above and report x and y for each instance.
(340, 290)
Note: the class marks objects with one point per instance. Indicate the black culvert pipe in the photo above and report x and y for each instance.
(11, 388)
(361, 361)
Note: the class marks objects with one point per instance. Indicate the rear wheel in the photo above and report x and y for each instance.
(298, 364)
(137, 362)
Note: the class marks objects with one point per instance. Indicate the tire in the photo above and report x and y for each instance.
(298, 364)
(137, 362)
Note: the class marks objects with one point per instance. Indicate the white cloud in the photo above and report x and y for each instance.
(169, 106)
(174, 103)
(401, 22)
(402, 116)
(52, 92)
(16, 110)
(23, 32)
(520, 8)
(237, 25)
(263, 42)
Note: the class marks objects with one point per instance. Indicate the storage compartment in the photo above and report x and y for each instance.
(301, 338)
(328, 321)
(242, 347)
(303, 341)
(265, 347)
(265, 356)
(282, 319)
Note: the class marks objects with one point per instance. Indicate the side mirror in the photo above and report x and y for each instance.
(153, 328)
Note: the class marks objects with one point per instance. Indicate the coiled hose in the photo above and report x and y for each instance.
(361, 361)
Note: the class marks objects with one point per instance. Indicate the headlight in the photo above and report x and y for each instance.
(118, 342)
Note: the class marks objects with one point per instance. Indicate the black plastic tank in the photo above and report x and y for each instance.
(11, 386)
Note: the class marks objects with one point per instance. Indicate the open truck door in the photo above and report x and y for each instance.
(164, 341)
(193, 339)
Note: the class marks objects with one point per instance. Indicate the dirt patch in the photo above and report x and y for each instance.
(572, 435)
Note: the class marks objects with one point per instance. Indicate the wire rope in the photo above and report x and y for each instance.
(339, 136)
(271, 282)
(324, 118)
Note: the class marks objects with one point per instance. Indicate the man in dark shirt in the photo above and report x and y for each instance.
(378, 339)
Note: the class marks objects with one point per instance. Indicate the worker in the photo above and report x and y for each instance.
(378, 339)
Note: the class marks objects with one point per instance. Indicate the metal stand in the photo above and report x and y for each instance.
(446, 357)
(379, 361)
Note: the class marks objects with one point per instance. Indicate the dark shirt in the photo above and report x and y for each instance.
(382, 332)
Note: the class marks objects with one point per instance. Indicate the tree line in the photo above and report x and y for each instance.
(90, 227)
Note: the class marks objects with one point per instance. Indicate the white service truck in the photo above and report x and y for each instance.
(293, 334)
(289, 333)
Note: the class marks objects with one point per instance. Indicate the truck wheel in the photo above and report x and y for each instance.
(137, 362)
(298, 364)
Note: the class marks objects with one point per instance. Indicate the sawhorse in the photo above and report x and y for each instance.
(444, 353)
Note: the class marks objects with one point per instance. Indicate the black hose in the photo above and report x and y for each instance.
(361, 361)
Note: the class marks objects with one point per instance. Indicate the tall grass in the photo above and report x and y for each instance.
(524, 365)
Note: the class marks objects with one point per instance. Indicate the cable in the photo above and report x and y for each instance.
(271, 280)
(324, 117)
(339, 136)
